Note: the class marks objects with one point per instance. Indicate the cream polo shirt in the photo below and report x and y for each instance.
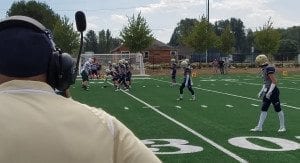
(38, 126)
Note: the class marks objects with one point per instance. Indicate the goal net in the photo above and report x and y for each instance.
(135, 60)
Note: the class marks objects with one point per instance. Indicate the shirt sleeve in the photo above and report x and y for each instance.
(128, 148)
(270, 70)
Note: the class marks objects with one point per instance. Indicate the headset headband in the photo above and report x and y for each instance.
(23, 21)
(26, 22)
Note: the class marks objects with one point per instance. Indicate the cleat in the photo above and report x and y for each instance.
(282, 129)
(256, 129)
(179, 99)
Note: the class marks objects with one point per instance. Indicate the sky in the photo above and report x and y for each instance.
(163, 16)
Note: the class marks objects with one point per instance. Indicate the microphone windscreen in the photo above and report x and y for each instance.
(80, 21)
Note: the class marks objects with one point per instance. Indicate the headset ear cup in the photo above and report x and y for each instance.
(53, 70)
(67, 74)
(61, 72)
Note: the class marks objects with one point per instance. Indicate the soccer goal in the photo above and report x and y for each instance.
(135, 60)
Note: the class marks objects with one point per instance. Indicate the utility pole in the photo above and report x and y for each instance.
(207, 14)
(207, 17)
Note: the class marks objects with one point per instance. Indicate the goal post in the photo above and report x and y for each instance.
(135, 61)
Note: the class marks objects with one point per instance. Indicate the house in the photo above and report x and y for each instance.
(158, 52)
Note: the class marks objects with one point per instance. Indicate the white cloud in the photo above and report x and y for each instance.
(92, 22)
(254, 13)
(170, 6)
(118, 18)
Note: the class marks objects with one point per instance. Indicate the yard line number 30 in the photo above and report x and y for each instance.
(180, 146)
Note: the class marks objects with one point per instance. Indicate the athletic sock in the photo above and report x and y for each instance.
(281, 119)
(262, 118)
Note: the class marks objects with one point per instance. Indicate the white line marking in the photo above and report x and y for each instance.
(203, 106)
(140, 78)
(254, 105)
(260, 84)
(126, 108)
(148, 107)
(209, 80)
(179, 107)
(230, 106)
(229, 94)
(219, 147)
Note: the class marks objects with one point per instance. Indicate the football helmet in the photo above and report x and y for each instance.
(184, 64)
(261, 60)
(107, 70)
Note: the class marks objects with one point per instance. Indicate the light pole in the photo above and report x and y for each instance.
(207, 16)
(252, 52)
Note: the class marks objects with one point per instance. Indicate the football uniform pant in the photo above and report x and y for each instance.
(189, 86)
(274, 99)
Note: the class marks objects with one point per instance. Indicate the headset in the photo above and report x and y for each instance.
(62, 70)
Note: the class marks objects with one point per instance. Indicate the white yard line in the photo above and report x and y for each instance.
(148, 107)
(203, 106)
(230, 106)
(229, 94)
(254, 105)
(261, 84)
(219, 147)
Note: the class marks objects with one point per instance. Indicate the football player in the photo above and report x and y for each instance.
(122, 75)
(173, 71)
(128, 74)
(269, 93)
(187, 81)
(115, 76)
(85, 73)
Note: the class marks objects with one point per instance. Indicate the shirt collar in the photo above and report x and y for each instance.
(25, 86)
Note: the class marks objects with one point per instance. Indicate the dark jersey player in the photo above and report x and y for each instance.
(269, 94)
(173, 71)
(187, 81)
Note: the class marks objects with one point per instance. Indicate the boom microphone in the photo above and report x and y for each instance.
(81, 26)
(80, 21)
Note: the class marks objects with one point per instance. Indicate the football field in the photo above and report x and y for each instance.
(214, 128)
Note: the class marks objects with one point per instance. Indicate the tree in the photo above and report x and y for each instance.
(102, 42)
(115, 43)
(267, 39)
(91, 44)
(202, 37)
(137, 35)
(108, 41)
(226, 41)
(105, 43)
(184, 27)
(65, 37)
(37, 10)
(291, 33)
(287, 50)
(249, 40)
(238, 28)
